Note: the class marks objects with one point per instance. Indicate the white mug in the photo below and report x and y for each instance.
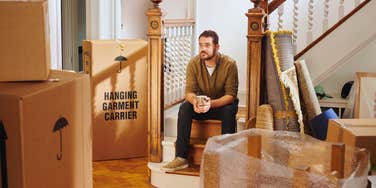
(202, 100)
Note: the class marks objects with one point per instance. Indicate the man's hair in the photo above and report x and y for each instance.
(210, 33)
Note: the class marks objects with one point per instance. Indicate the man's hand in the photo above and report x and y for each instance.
(196, 108)
(202, 106)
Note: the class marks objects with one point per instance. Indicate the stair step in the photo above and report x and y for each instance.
(196, 150)
(159, 178)
(170, 124)
(192, 170)
(204, 129)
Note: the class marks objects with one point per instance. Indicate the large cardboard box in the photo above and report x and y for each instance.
(354, 132)
(24, 36)
(48, 130)
(118, 71)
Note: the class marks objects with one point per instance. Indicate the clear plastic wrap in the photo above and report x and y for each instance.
(288, 159)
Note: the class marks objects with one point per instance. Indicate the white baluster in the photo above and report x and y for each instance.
(341, 9)
(280, 17)
(310, 22)
(295, 24)
(325, 23)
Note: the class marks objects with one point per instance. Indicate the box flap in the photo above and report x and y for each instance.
(28, 88)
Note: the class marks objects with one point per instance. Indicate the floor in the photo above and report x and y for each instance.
(121, 173)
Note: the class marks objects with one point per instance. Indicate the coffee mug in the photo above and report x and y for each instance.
(202, 100)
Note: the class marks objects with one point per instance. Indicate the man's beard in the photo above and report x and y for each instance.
(210, 57)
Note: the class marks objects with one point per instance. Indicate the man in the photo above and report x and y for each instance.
(215, 76)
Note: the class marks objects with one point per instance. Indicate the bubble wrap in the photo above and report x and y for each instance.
(284, 154)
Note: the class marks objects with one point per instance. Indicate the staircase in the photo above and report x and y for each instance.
(201, 131)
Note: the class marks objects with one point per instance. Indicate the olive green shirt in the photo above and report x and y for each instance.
(223, 81)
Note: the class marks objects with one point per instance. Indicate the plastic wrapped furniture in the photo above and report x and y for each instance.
(263, 158)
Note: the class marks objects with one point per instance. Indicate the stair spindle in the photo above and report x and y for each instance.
(310, 22)
(280, 17)
(341, 9)
(325, 23)
(295, 24)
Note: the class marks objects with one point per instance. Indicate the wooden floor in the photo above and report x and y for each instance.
(121, 173)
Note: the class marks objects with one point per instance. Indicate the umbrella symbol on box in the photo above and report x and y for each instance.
(59, 125)
(120, 59)
(3, 155)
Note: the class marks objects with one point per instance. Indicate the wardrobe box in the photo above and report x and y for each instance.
(118, 71)
(24, 36)
(46, 132)
(354, 132)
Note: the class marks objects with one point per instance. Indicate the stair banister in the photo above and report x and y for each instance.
(255, 34)
(155, 81)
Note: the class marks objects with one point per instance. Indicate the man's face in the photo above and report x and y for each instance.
(207, 48)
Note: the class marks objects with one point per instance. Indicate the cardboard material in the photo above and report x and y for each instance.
(24, 36)
(40, 153)
(354, 132)
(118, 71)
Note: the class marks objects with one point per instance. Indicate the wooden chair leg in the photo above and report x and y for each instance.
(211, 170)
(254, 151)
(254, 146)
(338, 160)
(300, 178)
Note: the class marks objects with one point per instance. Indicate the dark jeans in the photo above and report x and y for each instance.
(227, 114)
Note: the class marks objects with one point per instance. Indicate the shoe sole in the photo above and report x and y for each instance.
(174, 169)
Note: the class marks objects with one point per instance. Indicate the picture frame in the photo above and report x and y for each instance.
(365, 95)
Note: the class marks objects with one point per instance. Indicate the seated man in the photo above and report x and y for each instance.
(215, 76)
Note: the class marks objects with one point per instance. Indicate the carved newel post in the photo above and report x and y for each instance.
(155, 82)
(256, 17)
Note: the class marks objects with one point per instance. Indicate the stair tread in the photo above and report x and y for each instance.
(205, 128)
(196, 142)
(192, 170)
(208, 121)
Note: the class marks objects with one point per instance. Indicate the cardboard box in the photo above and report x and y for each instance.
(40, 150)
(24, 36)
(354, 132)
(118, 71)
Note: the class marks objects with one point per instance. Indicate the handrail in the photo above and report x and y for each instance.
(274, 5)
(179, 22)
(334, 27)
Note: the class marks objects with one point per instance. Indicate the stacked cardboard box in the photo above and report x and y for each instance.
(46, 132)
(24, 36)
(118, 71)
(354, 132)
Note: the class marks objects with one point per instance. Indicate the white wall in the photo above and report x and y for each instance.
(363, 61)
(175, 9)
(54, 11)
(134, 18)
(228, 19)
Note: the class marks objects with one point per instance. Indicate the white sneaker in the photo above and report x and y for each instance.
(177, 164)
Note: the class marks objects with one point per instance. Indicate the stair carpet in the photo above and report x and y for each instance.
(200, 132)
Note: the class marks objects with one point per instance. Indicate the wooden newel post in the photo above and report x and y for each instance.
(155, 81)
(255, 33)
